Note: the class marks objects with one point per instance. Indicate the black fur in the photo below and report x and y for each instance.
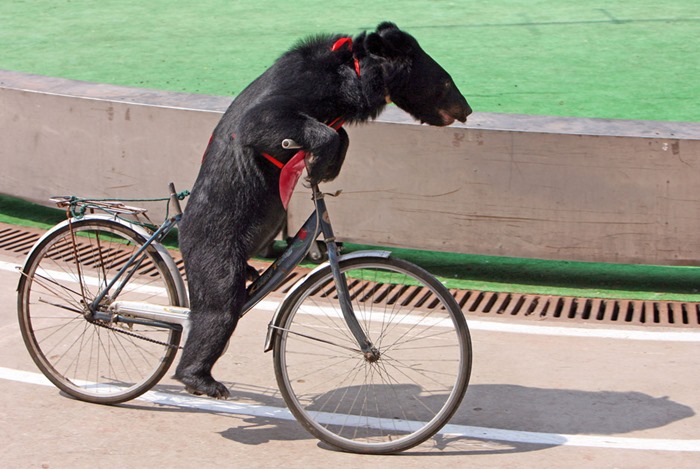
(235, 210)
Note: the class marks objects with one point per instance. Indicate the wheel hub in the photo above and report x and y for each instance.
(372, 355)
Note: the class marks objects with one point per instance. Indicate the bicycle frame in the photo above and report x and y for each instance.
(156, 237)
(318, 223)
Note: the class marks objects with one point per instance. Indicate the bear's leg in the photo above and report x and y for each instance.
(215, 309)
(207, 341)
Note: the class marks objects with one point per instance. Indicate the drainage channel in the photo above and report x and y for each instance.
(19, 240)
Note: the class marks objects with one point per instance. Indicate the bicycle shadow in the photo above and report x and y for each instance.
(490, 406)
(567, 411)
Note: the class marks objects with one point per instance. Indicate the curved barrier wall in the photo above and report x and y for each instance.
(521, 186)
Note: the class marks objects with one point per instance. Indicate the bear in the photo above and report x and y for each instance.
(235, 208)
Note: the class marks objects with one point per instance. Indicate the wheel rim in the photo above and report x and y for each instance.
(94, 360)
(377, 406)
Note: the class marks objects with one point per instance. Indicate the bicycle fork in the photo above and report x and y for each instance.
(371, 353)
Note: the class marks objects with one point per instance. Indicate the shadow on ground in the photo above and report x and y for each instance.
(497, 406)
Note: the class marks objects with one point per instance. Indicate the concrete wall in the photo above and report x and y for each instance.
(523, 186)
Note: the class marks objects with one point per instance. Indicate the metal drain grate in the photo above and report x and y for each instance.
(591, 310)
(16, 240)
(528, 306)
(474, 303)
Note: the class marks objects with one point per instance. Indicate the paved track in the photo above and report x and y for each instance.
(539, 397)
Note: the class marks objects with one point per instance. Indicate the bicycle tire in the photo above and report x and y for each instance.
(94, 361)
(396, 402)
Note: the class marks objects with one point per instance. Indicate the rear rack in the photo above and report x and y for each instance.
(79, 206)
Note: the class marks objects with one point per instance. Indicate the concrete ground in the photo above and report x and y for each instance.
(540, 397)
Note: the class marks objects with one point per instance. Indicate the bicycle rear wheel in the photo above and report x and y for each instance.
(98, 361)
(365, 406)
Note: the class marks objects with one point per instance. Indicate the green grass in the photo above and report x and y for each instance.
(553, 277)
(610, 59)
(22, 213)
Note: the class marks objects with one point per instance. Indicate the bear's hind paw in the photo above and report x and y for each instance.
(213, 389)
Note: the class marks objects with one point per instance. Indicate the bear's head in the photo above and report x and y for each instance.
(414, 81)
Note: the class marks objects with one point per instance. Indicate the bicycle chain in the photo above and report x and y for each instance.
(131, 334)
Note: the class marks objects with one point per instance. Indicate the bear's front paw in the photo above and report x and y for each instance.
(319, 170)
(314, 170)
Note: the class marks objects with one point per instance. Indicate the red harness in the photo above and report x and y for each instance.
(291, 171)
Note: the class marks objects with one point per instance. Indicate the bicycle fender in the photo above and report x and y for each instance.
(162, 251)
(274, 324)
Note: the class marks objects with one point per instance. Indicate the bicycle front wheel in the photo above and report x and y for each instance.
(365, 405)
(99, 361)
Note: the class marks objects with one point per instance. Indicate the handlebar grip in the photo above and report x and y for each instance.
(289, 144)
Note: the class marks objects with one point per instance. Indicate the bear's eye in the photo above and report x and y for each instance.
(444, 89)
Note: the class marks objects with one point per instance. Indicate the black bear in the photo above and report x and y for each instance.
(235, 208)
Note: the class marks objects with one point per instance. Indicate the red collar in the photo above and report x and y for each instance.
(340, 43)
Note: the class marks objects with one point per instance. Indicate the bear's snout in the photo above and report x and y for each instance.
(453, 113)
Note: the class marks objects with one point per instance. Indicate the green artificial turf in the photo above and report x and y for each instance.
(610, 59)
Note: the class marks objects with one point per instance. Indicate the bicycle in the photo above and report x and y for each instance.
(102, 308)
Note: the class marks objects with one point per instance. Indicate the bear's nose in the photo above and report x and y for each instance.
(465, 111)
(461, 112)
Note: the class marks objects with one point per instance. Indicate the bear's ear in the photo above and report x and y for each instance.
(402, 43)
(385, 26)
(390, 42)
(377, 46)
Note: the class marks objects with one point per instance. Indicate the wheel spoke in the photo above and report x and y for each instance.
(94, 361)
(374, 405)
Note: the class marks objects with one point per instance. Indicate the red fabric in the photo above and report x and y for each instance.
(292, 170)
(336, 123)
(289, 176)
(272, 160)
(341, 42)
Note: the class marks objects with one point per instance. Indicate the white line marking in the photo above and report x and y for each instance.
(465, 431)
(498, 326)
(90, 281)
(10, 266)
(593, 333)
